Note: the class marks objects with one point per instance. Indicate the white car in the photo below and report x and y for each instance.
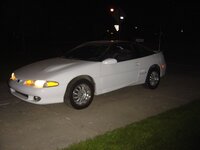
(89, 69)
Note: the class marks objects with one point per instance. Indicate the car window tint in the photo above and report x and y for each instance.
(122, 52)
(87, 52)
(142, 51)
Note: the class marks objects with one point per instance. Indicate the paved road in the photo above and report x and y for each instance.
(25, 126)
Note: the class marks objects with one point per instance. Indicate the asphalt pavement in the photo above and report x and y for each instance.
(25, 126)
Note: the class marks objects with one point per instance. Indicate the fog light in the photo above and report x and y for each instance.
(37, 98)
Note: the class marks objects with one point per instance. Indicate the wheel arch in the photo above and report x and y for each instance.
(155, 66)
(86, 77)
(76, 81)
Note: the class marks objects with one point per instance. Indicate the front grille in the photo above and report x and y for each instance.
(21, 94)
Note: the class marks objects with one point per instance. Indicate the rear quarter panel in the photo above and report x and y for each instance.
(147, 62)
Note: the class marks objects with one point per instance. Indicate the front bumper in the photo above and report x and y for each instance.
(37, 95)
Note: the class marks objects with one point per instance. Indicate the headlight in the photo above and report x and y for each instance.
(41, 83)
(29, 83)
(13, 77)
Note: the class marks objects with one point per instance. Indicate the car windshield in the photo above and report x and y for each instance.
(89, 52)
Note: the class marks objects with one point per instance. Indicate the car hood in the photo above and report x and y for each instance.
(47, 68)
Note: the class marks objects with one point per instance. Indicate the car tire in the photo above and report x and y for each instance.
(79, 94)
(153, 78)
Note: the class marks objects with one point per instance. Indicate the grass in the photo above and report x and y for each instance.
(177, 129)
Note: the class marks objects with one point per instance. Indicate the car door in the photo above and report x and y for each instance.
(122, 73)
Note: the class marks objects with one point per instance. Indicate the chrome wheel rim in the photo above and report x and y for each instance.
(154, 78)
(81, 94)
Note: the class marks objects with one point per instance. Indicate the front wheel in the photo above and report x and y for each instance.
(79, 94)
(153, 78)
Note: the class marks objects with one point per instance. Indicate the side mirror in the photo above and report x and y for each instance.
(109, 61)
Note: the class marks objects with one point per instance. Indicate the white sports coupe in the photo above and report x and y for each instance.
(89, 69)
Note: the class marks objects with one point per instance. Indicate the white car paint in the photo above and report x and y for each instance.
(56, 69)
(118, 75)
(107, 76)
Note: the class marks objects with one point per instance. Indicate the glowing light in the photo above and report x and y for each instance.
(29, 83)
(39, 83)
(13, 77)
(112, 9)
(51, 84)
(121, 17)
(116, 27)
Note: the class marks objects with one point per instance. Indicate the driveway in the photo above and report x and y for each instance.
(25, 126)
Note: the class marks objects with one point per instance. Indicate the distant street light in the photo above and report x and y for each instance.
(116, 27)
(112, 9)
(119, 15)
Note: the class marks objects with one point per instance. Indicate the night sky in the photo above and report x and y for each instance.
(28, 22)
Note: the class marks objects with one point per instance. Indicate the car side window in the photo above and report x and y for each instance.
(122, 52)
(142, 51)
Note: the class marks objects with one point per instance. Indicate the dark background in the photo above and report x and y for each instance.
(32, 29)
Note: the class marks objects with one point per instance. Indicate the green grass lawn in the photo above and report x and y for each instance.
(177, 129)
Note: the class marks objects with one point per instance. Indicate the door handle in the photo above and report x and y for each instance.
(137, 63)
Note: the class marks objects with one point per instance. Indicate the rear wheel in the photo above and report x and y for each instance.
(80, 94)
(153, 78)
